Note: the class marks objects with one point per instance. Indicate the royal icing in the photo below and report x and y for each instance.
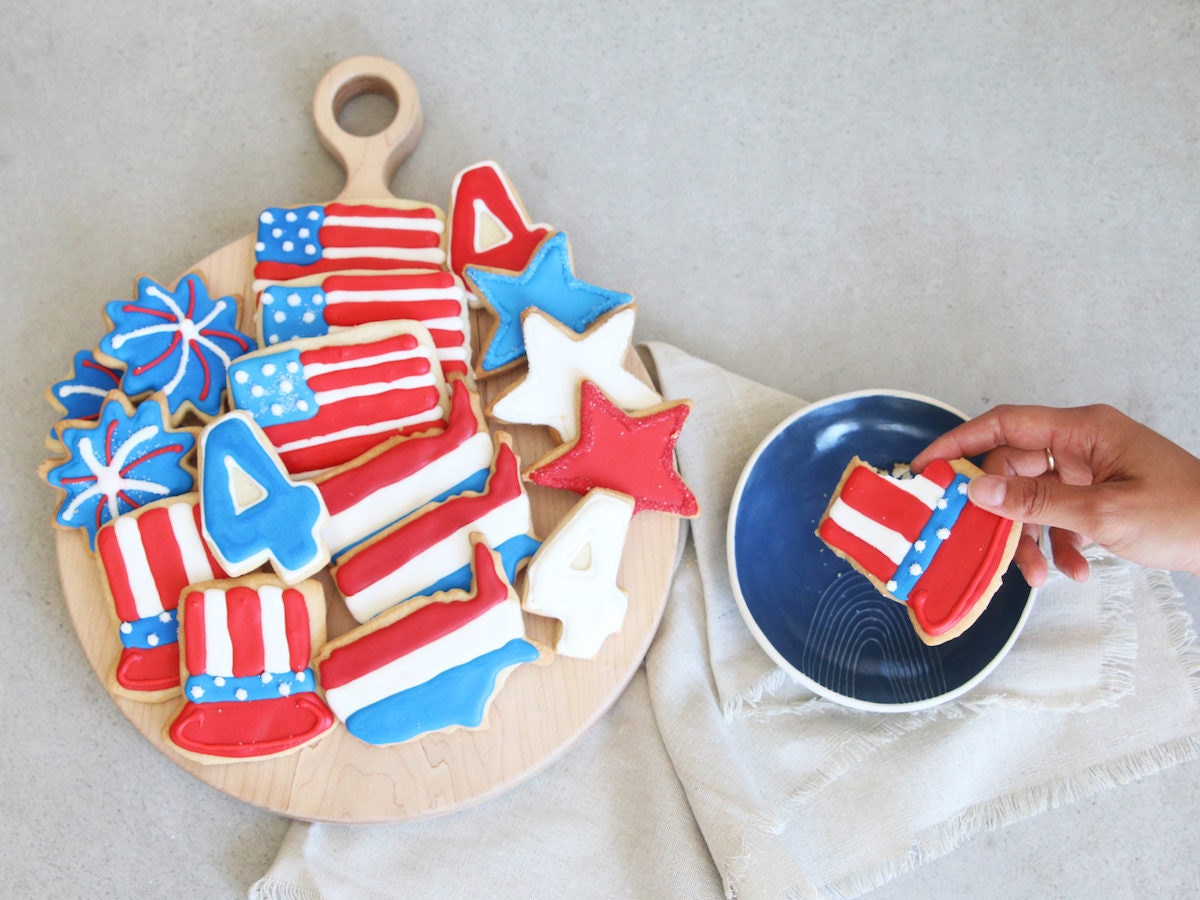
(310, 240)
(547, 283)
(920, 538)
(324, 401)
(399, 476)
(430, 551)
(435, 298)
(179, 342)
(431, 665)
(251, 512)
(147, 557)
(559, 360)
(488, 225)
(632, 454)
(573, 576)
(250, 689)
(127, 458)
(81, 394)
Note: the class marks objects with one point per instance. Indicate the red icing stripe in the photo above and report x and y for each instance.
(380, 646)
(299, 637)
(275, 271)
(338, 354)
(196, 653)
(882, 500)
(402, 458)
(395, 238)
(374, 374)
(857, 549)
(362, 312)
(115, 572)
(163, 554)
(940, 472)
(381, 212)
(244, 616)
(372, 561)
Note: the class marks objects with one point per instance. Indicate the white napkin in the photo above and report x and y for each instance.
(714, 773)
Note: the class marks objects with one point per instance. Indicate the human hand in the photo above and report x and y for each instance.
(1113, 481)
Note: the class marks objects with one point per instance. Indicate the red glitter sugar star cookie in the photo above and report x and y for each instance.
(633, 454)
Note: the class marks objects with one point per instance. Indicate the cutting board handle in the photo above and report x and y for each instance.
(369, 161)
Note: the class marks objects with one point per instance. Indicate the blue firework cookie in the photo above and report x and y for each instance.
(179, 342)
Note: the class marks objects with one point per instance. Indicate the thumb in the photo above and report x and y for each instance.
(1039, 501)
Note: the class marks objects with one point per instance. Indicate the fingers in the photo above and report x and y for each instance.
(1021, 428)
(1042, 501)
(1030, 559)
(1066, 547)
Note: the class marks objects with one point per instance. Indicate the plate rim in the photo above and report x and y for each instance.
(756, 631)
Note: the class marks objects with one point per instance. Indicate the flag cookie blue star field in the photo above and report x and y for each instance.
(548, 283)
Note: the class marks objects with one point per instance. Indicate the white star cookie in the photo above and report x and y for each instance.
(559, 359)
(573, 576)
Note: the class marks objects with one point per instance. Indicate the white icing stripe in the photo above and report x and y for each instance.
(387, 505)
(409, 383)
(402, 254)
(218, 646)
(928, 492)
(439, 560)
(387, 223)
(488, 632)
(191, 546)
(276, 655)
(429, 415)
(311, 370)
(890, 543)
(403, 295)
(137, 567)
(456, 354)
(447, 324)
(69, 390)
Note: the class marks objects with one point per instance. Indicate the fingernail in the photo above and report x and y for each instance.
(988, 490)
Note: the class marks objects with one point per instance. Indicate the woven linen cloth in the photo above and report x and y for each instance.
(714, 773)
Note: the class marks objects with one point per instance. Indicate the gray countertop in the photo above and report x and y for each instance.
(997, 205)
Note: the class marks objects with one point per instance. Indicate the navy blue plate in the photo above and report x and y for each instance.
(815, 616)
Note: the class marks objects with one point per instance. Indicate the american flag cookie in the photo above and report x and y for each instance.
(920, 541)
(179, 342)
(249, 690)
(313, 307)
(147, 558)
(323, 401)
(432, 664)
(318, 239)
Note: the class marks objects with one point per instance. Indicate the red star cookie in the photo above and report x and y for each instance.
(632, 454)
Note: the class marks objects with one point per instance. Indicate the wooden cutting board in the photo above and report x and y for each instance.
(541, 708)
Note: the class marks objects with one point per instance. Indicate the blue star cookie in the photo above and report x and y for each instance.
(547, 283)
